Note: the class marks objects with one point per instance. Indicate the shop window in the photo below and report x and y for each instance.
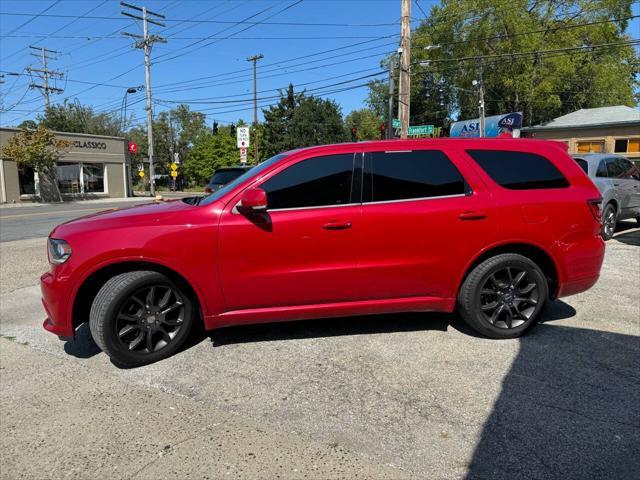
(93, 177)
(26, 180)
(68, 177)
(593, 146)
(627, 145)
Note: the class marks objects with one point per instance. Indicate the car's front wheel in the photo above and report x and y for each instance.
(503, 296)
(140, 317)
(609, 219)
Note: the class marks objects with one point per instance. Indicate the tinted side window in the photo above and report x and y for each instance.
(615, 168)
(315, 182)
(627, 167)
(583, 165)
(405, 175)
(602, 169)
(519, 170)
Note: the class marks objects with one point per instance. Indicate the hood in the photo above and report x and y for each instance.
(139, 215)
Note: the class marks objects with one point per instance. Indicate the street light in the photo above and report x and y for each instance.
(123, 105)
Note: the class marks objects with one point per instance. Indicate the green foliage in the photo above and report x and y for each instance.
(210, 152)
(38, 149)
(366, 121)
(77, 118)
(542, 86)
(299, 120)
(28, 124)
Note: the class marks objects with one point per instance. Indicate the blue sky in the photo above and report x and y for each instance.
(191, 66)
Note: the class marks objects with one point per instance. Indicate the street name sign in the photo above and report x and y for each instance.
(421, 130)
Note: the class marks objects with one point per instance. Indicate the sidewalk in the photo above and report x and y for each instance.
(98, 201)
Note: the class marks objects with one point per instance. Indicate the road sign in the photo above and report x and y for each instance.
(421, 130)
(174, 173)
(242, 134)
(174, 167)
(141, 173)
(243, 155)
(395, 123)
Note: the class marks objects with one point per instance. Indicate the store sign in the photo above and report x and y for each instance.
(93, 145)
(494, 126)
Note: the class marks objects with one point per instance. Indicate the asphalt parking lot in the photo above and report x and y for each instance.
(396, 396)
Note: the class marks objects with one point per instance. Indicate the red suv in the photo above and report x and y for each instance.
(492, 228)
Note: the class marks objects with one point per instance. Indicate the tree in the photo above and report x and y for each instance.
(299, 120)
(460, 40)
(366, 122)
(38, 149)
(209, 153)
(77, 118)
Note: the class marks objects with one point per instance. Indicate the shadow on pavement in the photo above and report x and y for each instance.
(364, 325)
(569, 408)
(83, 346)
(629, 237)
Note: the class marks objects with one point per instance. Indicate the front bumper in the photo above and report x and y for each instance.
(54, 301)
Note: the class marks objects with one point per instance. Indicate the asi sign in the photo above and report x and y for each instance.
(242, 133)
(420, 130)
(493, 126)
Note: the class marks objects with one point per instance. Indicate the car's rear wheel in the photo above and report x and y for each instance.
(609, 219)
(503, 296)
(140, 317)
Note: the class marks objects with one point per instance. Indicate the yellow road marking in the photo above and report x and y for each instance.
(22, 215)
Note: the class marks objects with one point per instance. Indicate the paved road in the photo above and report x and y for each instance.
(19, 223)
(390, 396)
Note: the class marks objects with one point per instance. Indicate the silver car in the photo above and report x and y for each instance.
(618, 180)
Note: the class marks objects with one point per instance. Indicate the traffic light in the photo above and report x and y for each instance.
(214, 128)
(383, 131)
(354, 134)
(232, 130)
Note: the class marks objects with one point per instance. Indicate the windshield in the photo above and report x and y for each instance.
(225, 176)
(242, 178)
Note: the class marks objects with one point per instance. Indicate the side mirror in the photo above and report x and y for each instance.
(253, 200)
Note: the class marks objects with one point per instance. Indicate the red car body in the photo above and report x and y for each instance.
(360, 258)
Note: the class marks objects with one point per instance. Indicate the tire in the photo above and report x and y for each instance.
(487, 290)
(609, 219)
(136, 322)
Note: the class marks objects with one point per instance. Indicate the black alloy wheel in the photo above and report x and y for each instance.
(150, 319)
(141, 317)
(509, 297)
(503, 296)
(609, 219)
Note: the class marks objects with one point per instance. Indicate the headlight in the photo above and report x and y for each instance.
(59, 251)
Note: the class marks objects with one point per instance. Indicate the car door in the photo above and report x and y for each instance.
(421, 224)
(632, 180)
(300, 251)
(623, 184)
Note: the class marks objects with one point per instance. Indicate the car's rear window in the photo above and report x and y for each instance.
(583, 164)
(519, 170)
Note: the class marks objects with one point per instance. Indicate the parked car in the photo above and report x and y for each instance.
(222, 176)
(478, 226)
(618, 180)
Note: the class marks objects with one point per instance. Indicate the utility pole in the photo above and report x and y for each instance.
(392, 67)
(404, 88)
(145, 42)
(481, 102)
(45, 73)
(255, 59)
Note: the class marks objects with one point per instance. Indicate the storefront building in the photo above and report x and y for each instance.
(94, 167)
(598, 130)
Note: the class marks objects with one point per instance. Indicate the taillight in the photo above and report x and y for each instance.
(595, 205)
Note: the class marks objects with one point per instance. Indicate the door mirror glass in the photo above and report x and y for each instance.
(253, 200)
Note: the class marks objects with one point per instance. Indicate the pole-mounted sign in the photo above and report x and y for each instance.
(242, 134)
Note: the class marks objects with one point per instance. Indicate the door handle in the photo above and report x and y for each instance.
(337, 225)
(473, 215)
(616, 184)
